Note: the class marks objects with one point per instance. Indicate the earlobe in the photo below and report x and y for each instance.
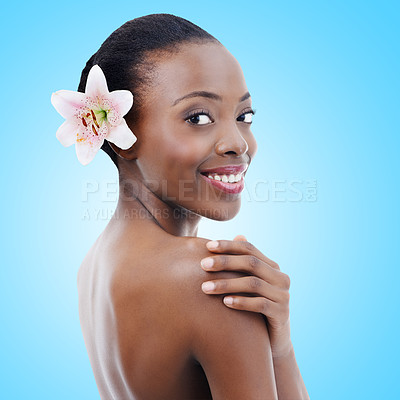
(128, 154)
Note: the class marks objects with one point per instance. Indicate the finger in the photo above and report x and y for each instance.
(245, 263)
(255, 304)
(238, 247)
(246, 284)
(240, 238)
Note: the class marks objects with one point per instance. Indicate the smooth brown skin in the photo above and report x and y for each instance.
(150, 331)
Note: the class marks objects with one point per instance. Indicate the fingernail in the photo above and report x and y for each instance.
(212, 245)
(228, 300)
(208, 286)
(207, 262)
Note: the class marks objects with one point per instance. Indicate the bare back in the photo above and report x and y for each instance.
(130, 311)
(139, 301)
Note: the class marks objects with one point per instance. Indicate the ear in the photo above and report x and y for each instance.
(128, 154)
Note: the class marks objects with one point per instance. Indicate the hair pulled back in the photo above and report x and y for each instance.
(124, 56)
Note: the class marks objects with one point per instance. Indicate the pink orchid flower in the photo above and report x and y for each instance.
(93, 116)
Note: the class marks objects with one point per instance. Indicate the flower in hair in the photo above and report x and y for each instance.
(93, 116)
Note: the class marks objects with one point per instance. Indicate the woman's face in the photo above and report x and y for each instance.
(182, 134)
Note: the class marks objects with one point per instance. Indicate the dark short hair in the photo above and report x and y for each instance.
(124, 55)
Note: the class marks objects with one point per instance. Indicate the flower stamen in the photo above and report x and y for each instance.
(84, 122)
(94, 130)
(94, 119)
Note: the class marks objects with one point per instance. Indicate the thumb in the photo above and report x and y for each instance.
(241, 238)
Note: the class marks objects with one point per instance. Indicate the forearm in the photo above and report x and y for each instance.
(289, 383)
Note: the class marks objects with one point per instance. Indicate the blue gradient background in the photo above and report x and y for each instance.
(324, 78)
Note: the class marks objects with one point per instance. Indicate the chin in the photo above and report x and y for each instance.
(221, 213)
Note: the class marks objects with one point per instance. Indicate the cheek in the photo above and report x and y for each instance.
(181, 164)
(186, 154)
(183, 156)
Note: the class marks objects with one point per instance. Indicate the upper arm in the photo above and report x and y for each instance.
(231, 345)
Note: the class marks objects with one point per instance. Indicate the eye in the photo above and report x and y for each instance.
(198, 117)
(247, 116)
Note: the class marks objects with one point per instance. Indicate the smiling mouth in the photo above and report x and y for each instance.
(225, 178)
(228, 183)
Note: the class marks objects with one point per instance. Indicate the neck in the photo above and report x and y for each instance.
(138, 201)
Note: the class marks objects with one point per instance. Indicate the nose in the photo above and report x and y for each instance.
(231, 141)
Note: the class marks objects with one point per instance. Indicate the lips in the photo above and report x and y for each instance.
(229, 178)
(225, 170)
(232, 188)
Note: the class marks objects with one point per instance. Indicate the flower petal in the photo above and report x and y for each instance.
(96, 84)
(121, 102)
(121, 135)
(67, 102)
(66, 133)
(86, 151)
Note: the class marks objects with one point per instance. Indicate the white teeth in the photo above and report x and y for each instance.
(231, 178)
(224, 178)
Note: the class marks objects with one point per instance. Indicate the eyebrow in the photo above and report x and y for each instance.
(209, 95)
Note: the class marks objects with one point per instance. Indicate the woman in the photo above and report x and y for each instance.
(151, 329)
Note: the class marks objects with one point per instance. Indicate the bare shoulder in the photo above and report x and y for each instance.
(193, 251)
(162, 318)
(231, 345)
